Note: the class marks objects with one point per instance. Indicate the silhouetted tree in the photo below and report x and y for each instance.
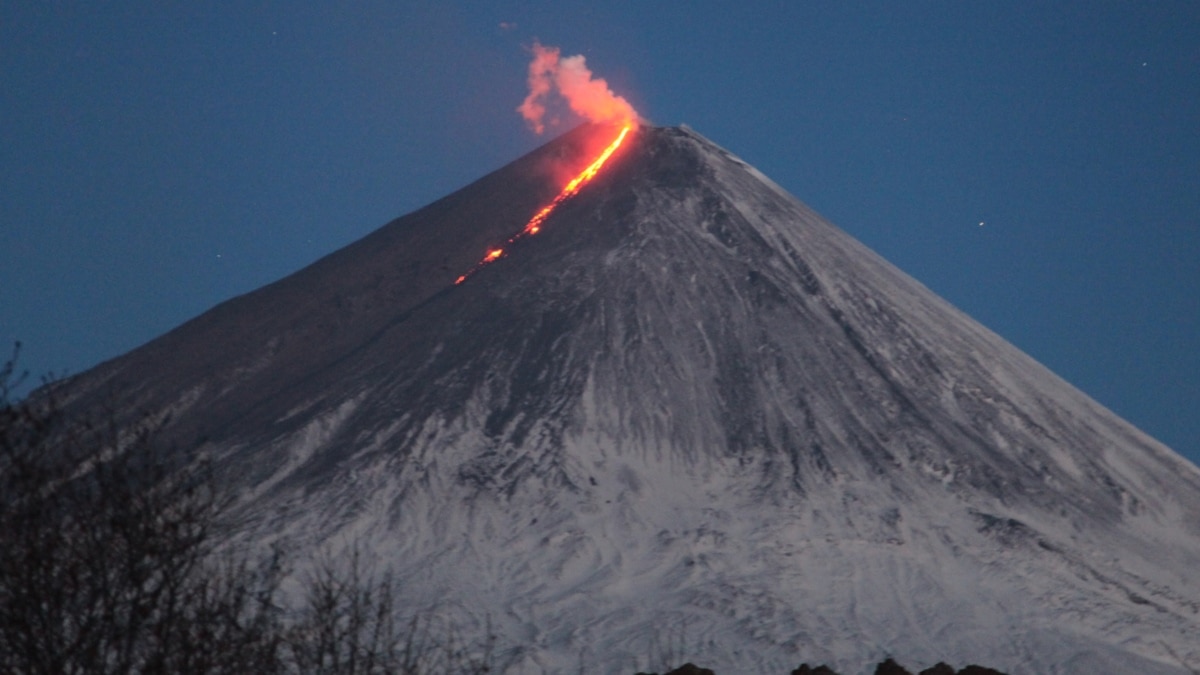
(115, 558)
(106, 552)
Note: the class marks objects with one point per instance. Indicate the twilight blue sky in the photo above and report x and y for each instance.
(158, 158)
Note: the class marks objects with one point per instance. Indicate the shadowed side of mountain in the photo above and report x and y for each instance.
(252, 349)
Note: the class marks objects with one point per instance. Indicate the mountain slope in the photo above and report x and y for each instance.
(690, 414)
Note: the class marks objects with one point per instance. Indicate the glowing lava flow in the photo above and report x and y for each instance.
(535, 223)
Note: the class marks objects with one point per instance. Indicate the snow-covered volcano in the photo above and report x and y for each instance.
(689, 415)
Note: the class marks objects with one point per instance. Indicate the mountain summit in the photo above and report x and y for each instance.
(689, 414)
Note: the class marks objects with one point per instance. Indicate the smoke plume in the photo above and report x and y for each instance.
(587, 97)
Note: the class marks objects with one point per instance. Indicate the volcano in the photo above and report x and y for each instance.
(690, 415)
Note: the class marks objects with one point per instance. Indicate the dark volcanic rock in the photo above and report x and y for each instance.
(890, 667)
(691, 669)
(686, 669)
(819, 670)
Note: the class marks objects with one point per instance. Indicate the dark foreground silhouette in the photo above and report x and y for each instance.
(888, 667)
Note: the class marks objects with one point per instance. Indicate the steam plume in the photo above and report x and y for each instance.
(589, 98)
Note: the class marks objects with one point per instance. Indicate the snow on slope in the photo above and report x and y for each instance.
(691, 416)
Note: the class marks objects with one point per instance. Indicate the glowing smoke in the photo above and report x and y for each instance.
(589, 98)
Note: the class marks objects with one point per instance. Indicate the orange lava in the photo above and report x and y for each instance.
(535, 223)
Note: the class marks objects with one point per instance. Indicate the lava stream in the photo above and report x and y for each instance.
(535, 223)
